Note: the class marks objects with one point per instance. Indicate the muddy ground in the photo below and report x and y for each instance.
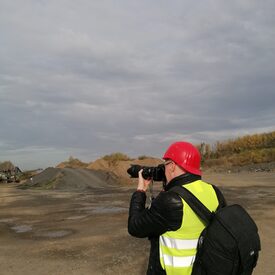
(57, 232)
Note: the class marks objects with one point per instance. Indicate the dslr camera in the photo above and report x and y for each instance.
(155, 173)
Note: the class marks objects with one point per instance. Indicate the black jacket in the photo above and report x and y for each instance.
(164, 215)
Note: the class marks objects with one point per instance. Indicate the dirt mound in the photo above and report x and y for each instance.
(119, 168)
(68, 179)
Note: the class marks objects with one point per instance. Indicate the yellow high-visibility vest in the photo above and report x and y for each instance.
(178, 248)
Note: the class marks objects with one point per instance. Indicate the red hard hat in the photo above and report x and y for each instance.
(185, 155)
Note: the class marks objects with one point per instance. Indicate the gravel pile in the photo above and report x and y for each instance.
(69, 179)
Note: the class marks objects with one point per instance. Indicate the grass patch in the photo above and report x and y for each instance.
(115, 157)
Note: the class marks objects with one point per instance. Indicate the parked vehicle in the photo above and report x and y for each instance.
(13, 175)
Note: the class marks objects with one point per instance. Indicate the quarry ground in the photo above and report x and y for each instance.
(57, 232)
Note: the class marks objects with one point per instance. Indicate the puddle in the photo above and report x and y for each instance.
(53, 233)
(87, 208)
(106, 210)
(21, 228)
(98, 209)
(8, 220)
(77, 217)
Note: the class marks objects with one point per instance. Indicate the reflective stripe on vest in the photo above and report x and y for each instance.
(178, 248)
(178, 243)
(178, 261)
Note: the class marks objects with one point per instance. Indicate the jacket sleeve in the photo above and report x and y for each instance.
(164, 215)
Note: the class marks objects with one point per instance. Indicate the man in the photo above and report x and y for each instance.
(170, 224)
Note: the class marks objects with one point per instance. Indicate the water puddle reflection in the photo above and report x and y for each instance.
(53, 233)
(21, 228)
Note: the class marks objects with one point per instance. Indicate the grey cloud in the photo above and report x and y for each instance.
(93, 77)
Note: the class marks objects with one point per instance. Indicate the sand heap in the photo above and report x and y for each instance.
(69, 179)
(119, 168)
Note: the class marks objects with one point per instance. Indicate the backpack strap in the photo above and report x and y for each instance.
(196, 205)
(220, 197)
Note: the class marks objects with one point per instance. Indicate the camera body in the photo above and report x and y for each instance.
(155, 173)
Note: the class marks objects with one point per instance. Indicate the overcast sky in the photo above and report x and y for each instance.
(88, 78)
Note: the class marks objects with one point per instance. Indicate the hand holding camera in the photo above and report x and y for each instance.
(147, 174)
(143, 183)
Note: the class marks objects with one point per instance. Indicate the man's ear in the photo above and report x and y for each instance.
(173, 167)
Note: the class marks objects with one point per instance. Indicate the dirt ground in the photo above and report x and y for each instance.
(57, 232)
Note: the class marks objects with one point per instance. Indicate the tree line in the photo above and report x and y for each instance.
(244, 150)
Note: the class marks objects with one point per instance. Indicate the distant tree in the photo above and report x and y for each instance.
(6, 165)
(71, 159)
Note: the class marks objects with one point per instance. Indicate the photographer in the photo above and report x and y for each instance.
(170, 224)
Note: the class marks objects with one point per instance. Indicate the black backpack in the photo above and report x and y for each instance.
(229, 244)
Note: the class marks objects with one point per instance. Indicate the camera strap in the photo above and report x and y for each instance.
(151, 197)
